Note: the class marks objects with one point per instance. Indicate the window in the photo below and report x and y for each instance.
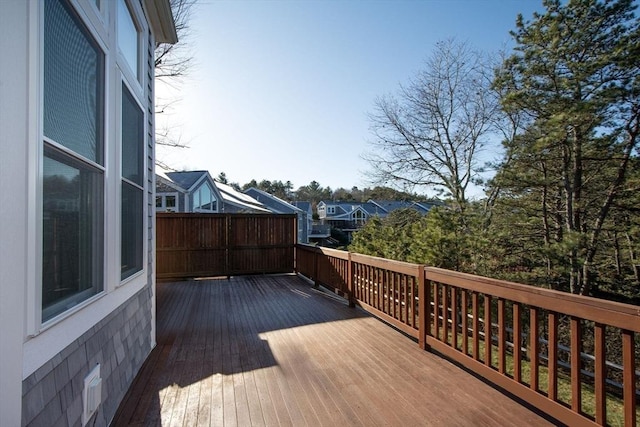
(204, 199)
(132, 212)
(331, 209)
(167, 203)
(73, 162)
(128, 38)
(359, 217)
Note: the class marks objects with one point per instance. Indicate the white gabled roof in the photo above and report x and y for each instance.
(234, 197)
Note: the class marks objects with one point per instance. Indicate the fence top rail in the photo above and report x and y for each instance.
(221, 215)
(624, 316)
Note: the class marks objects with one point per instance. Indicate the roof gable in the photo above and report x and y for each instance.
(187, 179)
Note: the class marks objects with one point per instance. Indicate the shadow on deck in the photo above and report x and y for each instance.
(271, 350)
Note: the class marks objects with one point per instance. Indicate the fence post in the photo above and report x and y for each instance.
(352, 302)
(424, 306)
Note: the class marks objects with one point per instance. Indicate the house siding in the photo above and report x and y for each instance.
(120, 343)
(151, 205)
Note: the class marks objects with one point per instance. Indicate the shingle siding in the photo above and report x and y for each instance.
(120, 343)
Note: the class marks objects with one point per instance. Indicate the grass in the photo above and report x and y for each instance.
(615, 405)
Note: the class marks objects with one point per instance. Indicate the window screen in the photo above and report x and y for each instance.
(73, 179)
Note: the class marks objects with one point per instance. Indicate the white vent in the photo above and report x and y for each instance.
(92, 394)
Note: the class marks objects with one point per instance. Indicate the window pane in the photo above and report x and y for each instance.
(128, 36)
(73, 83)
(204, 199)
(132, 230)
(72, 246)
(158, 201)
(170, 201)
(132, 138)
(196, 200)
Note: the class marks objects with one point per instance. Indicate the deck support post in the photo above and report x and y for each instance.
(423, 309)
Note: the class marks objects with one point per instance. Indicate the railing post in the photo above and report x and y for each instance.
(423, 309)
(315, 267)
(352, 302)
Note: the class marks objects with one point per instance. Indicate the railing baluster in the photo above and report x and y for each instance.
(398, 300)
(454, 317)
(369, 283)
(600, 373)
(487, 330)
(436, 310)
(502, 354)
(517, 343)
(576, 384)
(406, 300)
(629, 378)
(424, 303)
(552, 350)
(393, 301)
(534, 348)
(476, 325)
(465, 322)
(445, 313)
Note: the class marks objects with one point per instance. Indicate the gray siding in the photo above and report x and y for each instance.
(120, 343)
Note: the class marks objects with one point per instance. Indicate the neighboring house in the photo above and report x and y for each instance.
(196, 191)
(77, 315)
(351, 216)
(277, 205)
(316, 232)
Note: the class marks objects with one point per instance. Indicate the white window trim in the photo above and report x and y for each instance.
(138, 275)
(42, 340)
(136, 83)
(35, 323)
(214, 196)
(163, 197)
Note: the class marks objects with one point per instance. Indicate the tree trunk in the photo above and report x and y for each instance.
(635, 263)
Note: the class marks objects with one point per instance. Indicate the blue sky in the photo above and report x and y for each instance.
(281, 90)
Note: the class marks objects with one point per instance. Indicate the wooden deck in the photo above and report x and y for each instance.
(273, 351)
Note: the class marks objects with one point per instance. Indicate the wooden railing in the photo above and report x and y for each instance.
(530, 341)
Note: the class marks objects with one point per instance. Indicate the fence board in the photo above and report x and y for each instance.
(206, 245)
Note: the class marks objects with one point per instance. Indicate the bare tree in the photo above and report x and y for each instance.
(172, 64)
(431, 133)
(173, 61)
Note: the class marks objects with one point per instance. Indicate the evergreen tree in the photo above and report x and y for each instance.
(575, 74)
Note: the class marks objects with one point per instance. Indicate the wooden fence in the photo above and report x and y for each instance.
(207, 245)
(527, 340)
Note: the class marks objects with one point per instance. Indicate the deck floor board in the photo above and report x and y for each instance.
(273, 351)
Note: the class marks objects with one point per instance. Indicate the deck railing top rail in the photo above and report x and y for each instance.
(624, 316)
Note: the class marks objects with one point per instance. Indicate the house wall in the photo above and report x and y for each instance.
(42, 367)
(120, 343)
(14, 208)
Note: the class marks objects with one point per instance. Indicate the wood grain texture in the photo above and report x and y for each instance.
(271, 350)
